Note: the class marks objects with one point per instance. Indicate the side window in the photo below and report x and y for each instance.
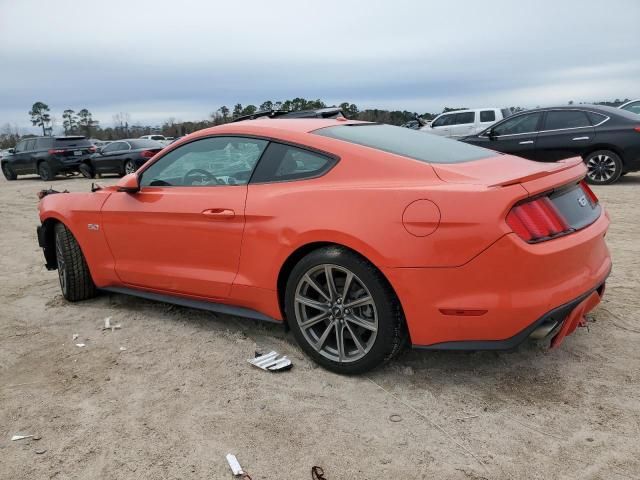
(125, 146)
(20, 147)
(561, 119)
(444, 121)
(527, 123)
(633, 107)
(488, 116)
(597, 118)
(285, 162)
(31, 144)
(42, 144)
(464, 118)
(206, 162)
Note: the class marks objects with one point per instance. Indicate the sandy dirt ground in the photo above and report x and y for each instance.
(182, 395)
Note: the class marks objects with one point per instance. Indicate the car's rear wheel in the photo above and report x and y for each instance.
(86, 170)
(604, 167)
(45, 172)
(343, 312)
(75, 279)
(129, 167)
(8, 172)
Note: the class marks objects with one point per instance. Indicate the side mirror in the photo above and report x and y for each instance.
(491, 134)
(99, 150)
(12, 151)
(128, 184)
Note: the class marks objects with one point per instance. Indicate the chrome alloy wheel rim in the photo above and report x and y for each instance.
(601, 168)
(336, 313)
(129, 168)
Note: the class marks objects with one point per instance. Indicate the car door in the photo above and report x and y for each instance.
(487, 118)
(565, 133)
(108, 159)
(442, 125)
(28, 159)
(182, 232)
(18, 159)
(464, 124)
(516, 135)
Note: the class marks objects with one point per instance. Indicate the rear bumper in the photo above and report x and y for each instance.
(69, 164)
(512, 286)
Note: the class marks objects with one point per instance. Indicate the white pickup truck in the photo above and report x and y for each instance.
(461, 123)
(158, 138)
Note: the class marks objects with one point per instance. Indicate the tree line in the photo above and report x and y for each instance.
(81, 122)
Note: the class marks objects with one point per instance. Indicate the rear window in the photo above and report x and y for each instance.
(72, 142)
(415, 144)
(145, 143)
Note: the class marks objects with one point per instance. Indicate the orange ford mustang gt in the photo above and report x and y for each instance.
(360, 237)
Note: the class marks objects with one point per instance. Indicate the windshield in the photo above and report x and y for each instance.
(415, 144)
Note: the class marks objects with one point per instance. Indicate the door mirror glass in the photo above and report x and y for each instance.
(129, 184)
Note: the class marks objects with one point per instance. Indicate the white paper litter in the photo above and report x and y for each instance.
(20, 437)
(75, 336)
(271, 361)
(123, 349)
(108, 326)
(80, 345)
(234, 465)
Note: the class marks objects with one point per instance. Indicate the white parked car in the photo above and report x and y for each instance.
(158, 138)
(632, 106)
(462, 123)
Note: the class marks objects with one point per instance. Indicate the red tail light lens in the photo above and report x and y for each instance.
(54, 151)
(637, 129)
(92, 148)
(147, 154)
(537, 220)
(588, 192)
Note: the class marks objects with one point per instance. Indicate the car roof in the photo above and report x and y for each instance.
(301, 125)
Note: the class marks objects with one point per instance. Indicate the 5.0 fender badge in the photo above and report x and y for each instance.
(93, 226)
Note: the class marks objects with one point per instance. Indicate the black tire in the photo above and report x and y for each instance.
(45, 172)
(604, 167)
(86, 170)
(75, 279)
(8, 172)
(370, 351)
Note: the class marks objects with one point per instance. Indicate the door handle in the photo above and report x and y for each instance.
(528, 142)
(222, 213)
(580, 138)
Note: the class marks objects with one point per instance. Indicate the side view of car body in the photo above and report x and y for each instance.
(608, 139)
(46, 156)
(158, 138)
(121, 157)
(361, 237)
(461, 123)
(633, 106)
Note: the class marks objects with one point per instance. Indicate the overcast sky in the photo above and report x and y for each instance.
(156, 59)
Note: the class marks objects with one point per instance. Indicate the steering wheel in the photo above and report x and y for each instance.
(197, 171)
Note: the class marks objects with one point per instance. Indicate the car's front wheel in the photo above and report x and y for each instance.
(8, 172)
(45, 172)
(75, 279)
(343, 312)
(129, 167)
(604, 167)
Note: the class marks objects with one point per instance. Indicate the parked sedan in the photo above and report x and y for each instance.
(121, 157)
(362, 237)
(607, 139)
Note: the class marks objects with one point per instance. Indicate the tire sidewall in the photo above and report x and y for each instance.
(384, 300)
(86, 170)
(44, 167)
(8, 172)
(616, 159)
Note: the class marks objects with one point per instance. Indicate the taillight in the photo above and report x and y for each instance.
(54, 151)
(92, 149)
(147, 154)
(537, 220)
(587, 190)
(637, 129)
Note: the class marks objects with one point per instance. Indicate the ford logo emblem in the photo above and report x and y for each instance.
(582, 201)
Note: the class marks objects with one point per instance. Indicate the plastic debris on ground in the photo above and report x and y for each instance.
(80, 345)
(75, 336)
(123, 349)
(40, 451)
(235, 467)
(271, 361)
(20, 437)
(108, 326)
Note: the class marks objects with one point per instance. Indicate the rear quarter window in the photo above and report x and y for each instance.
(415, 144)
(285, 162)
